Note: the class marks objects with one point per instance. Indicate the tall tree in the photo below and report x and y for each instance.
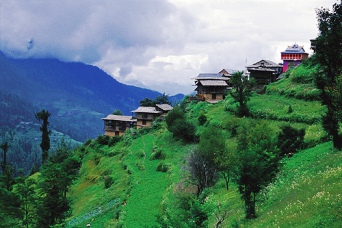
(5, 148)
(241, 92)
(45, 144)
(56, 176)
(257, 162)
(329, 74)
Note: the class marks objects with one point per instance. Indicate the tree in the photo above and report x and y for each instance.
(117, 112)
(56, 176)
(257, 162)
(146, 102)
(290, 140)
(26, 192)
(329, 74)
(7, 170)
(162, 99)
(5, 148)
(202, 170)
(45, 144)
(241, 92)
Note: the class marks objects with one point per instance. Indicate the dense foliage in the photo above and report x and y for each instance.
(329, 73)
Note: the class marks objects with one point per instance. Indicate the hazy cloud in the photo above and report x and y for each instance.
(157, 44)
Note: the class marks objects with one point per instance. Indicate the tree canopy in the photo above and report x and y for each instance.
(328, 56)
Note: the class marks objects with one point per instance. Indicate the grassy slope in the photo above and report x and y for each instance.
(306, 193)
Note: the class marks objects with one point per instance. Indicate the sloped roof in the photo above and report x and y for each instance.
(146, 110)
(209, 76)
(229, 71)
(295, 49)
(264, 63)
(119, 118)
(164, 107)
(213, 83)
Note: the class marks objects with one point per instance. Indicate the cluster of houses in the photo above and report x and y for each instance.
(116, 125)
(210, 87)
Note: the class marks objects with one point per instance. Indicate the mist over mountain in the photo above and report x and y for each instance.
(77, 95)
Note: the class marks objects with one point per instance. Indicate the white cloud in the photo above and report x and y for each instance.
(158, 44)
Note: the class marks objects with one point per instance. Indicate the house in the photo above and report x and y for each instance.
(293, 56)
(145, 116)
(116, 125)
(264, 71)
(212, 87)
(164, 108)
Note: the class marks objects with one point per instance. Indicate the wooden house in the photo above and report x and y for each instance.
(145, 116)
(264, 71)
(116, 125)
(164, 108)
(293, 56)
(212, 87)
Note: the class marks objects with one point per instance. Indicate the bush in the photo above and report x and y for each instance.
(162, 167)
(157, 154)
(202, 118)
(290, 140)
(108, 182)
(183, 130)
(103, 139)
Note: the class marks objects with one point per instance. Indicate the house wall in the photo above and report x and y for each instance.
(208, 96)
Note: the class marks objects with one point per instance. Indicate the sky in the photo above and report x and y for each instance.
(158, 44)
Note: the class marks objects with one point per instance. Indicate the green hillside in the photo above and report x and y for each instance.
(142, 180)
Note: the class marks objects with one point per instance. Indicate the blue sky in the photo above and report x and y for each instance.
(158, 44)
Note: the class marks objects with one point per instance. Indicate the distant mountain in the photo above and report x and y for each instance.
(77, 95)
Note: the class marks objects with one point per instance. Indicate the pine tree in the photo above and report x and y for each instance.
(45, 144)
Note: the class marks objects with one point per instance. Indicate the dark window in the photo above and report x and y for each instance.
(144, 122)
(213, 96)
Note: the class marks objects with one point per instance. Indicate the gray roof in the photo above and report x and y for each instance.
(213, 83)
(164, 107)
(230, 71)
(119, 118)
(260, 69)
(295, 49)
(208, 76)
(146, 110)
(264, 63)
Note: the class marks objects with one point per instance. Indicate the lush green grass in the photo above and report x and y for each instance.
(306, 192)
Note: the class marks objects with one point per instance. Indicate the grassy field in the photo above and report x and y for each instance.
(147, 172)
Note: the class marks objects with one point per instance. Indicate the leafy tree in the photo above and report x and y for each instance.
(10, 214)
(290, 140)
(53, 184)
(175, 113)
(329, 74)
(26, 192)
(258, 161)
(241, 92)
(202, 170)
(5, 148)
(45, 144)
(117, 112)
(162, 99)
(146, 102)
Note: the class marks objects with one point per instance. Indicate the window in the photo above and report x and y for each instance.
(143, 122)
(213, 96)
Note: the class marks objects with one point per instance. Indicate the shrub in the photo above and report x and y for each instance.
(103, 139)
(202, 118)
(290, 140)
(162, 167)
(157, 154)
(108, 182)
(183, 130)
(113, 140)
